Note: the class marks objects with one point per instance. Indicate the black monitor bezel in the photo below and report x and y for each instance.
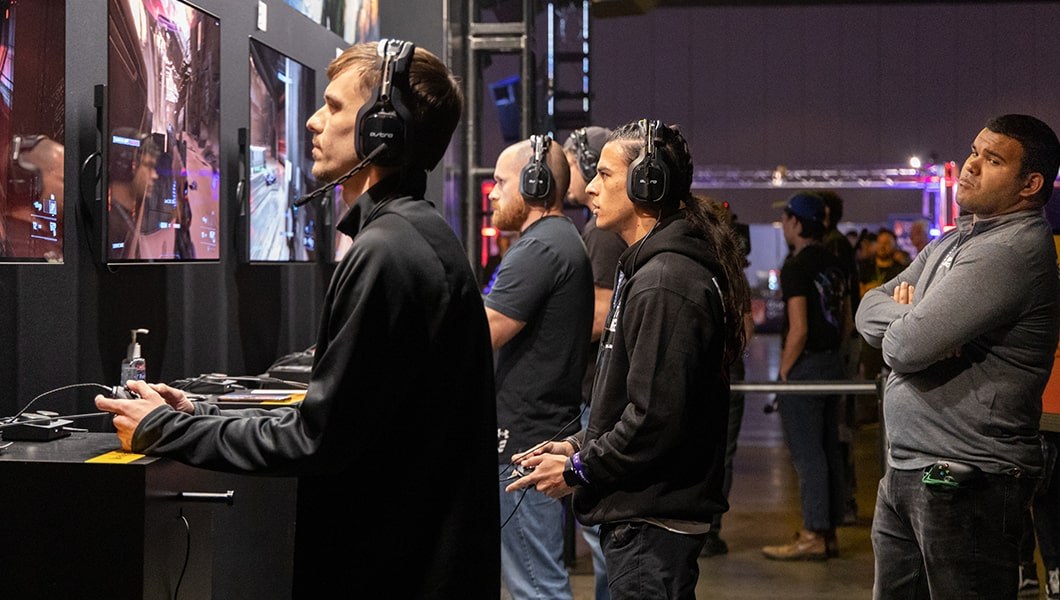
(246, 166)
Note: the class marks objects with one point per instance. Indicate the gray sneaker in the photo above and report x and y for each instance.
(1052, 584)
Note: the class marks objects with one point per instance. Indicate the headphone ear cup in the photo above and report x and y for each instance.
(535, 181)
(378, 128)
(648, 180)
(587, 162)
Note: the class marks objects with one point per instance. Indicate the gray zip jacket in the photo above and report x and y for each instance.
(970, 356)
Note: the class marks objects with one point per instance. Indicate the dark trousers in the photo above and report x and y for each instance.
(736, 406)
(938, 544)
(811, 429)
(1047, 505)
(645, 562)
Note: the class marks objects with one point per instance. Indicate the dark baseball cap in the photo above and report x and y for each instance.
(808, 207)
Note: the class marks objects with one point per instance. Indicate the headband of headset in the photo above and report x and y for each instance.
(587, 157)
(648, 180)
(535, 180)
(384, 118)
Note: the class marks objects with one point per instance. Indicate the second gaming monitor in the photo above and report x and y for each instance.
(279, 158)
(162, 144)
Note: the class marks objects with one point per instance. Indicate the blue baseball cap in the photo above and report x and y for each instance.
(808, 207)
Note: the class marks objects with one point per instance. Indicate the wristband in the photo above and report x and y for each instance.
(569, 476)
(579, 468)
(573, 441)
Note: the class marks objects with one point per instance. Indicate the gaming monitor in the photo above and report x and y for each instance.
(354, 20)
(32, 110)
(279, 158)
(161, 146)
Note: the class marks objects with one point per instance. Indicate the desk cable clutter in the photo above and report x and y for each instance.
(43, 425)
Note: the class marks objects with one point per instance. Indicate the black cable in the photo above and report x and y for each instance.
(293, 358)
(87, 205)
(58, 389)
(187, 554)
(516, 509)
(576, 419)
(263, 379)
(222, 383)
(90, 157)
(50, 419)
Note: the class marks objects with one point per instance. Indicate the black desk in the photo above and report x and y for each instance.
(76, 529)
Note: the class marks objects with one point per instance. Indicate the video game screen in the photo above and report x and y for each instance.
(162, 145)
(279, 158)
(354, 20)
(32, 131)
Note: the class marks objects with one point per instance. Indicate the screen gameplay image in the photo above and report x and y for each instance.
(279, 157)
(32, 113)
(163, 146)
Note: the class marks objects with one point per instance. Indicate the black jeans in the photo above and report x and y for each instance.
(1047, 506)
(645, 562)
(941, 544)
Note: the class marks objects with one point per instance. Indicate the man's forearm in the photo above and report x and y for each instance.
(790, 353)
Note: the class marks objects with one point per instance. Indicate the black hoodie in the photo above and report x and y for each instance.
(402, 375)
(655, 445)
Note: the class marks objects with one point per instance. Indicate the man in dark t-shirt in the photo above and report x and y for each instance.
(540, 315)
(816, 320)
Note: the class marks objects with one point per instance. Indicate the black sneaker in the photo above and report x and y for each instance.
(714, 545)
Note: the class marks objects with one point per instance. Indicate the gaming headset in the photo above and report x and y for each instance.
(535, 180)
(384, 118)
(648, 180)
(587, 157)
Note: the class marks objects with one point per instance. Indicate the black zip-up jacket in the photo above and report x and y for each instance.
(403, 371)
(655, 445)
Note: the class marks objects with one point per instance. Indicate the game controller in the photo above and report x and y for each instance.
(123, 393)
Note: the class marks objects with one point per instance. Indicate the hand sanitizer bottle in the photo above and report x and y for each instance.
(134, 366)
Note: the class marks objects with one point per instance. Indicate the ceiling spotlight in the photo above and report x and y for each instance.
(779, 174)
(914, 161)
